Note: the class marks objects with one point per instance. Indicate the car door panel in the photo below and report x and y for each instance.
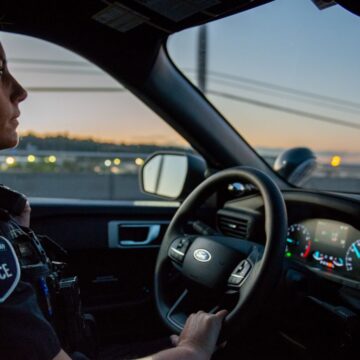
(115, 274)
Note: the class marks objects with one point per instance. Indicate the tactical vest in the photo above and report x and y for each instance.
(58, 296)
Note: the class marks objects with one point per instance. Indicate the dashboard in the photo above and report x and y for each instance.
(323, 233)
(326, 245)
(317, 299)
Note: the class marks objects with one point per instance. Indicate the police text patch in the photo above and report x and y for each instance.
(9, 269)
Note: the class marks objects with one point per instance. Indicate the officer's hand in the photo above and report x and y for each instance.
(201, 332)
(24, 218)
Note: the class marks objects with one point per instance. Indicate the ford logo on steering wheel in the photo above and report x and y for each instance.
(202, 255)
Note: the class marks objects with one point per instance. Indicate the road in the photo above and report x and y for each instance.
(125, 186)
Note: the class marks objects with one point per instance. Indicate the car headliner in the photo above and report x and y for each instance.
(72, 25)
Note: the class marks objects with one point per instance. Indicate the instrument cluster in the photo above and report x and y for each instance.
(327, 245)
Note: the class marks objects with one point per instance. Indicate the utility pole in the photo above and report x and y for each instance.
(202, 58)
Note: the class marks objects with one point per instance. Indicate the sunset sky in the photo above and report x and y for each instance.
(285, 43)
(109, 116)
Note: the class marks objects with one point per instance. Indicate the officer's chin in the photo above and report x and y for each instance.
(9, 142)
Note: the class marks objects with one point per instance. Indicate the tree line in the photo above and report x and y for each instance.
(64, 142)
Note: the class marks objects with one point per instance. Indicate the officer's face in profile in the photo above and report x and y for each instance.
(11, 94)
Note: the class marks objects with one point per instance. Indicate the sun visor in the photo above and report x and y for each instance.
(352, 6)
(168, 16)
(324, 4)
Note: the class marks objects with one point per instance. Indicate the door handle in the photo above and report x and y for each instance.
(153, 233)
(126, 234)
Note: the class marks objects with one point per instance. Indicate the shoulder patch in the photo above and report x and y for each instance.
(9, 269)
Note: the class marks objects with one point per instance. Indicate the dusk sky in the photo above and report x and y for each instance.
(109, 116)
(294, 45)
(285, 43)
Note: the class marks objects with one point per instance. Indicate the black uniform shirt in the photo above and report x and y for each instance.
(24, 332)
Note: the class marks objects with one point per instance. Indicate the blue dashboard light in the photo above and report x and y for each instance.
(356, 250)
(339, 262)
(317, 255)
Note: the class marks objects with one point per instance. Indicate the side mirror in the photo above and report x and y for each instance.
(172, 175)
(295, 165)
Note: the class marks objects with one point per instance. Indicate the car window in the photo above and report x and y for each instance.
(83, 135)
(284, 75)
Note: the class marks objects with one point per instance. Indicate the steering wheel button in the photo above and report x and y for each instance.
(242, 269)
(235, 280)
(175, 254)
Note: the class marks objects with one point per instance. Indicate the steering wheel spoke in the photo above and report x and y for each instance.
(175, 316)
(189, 302)
(243, 270)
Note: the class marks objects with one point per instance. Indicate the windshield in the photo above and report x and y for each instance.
(285, 75)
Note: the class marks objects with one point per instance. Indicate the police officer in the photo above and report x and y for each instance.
(24, 331)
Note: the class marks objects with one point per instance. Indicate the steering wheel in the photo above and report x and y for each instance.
(217, 266)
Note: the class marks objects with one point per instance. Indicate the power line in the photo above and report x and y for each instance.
(49, 62)
(314, 98)
(287, 89)
(290, 96)
(60, 71)
(322, 118)
(275, 87)
(74, 89)
(234, 78)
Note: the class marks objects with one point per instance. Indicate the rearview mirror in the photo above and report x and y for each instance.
(172, 175)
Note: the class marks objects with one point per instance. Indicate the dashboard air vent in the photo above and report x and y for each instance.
(232, 226)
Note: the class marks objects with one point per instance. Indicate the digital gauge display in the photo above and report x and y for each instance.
(329, 244)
